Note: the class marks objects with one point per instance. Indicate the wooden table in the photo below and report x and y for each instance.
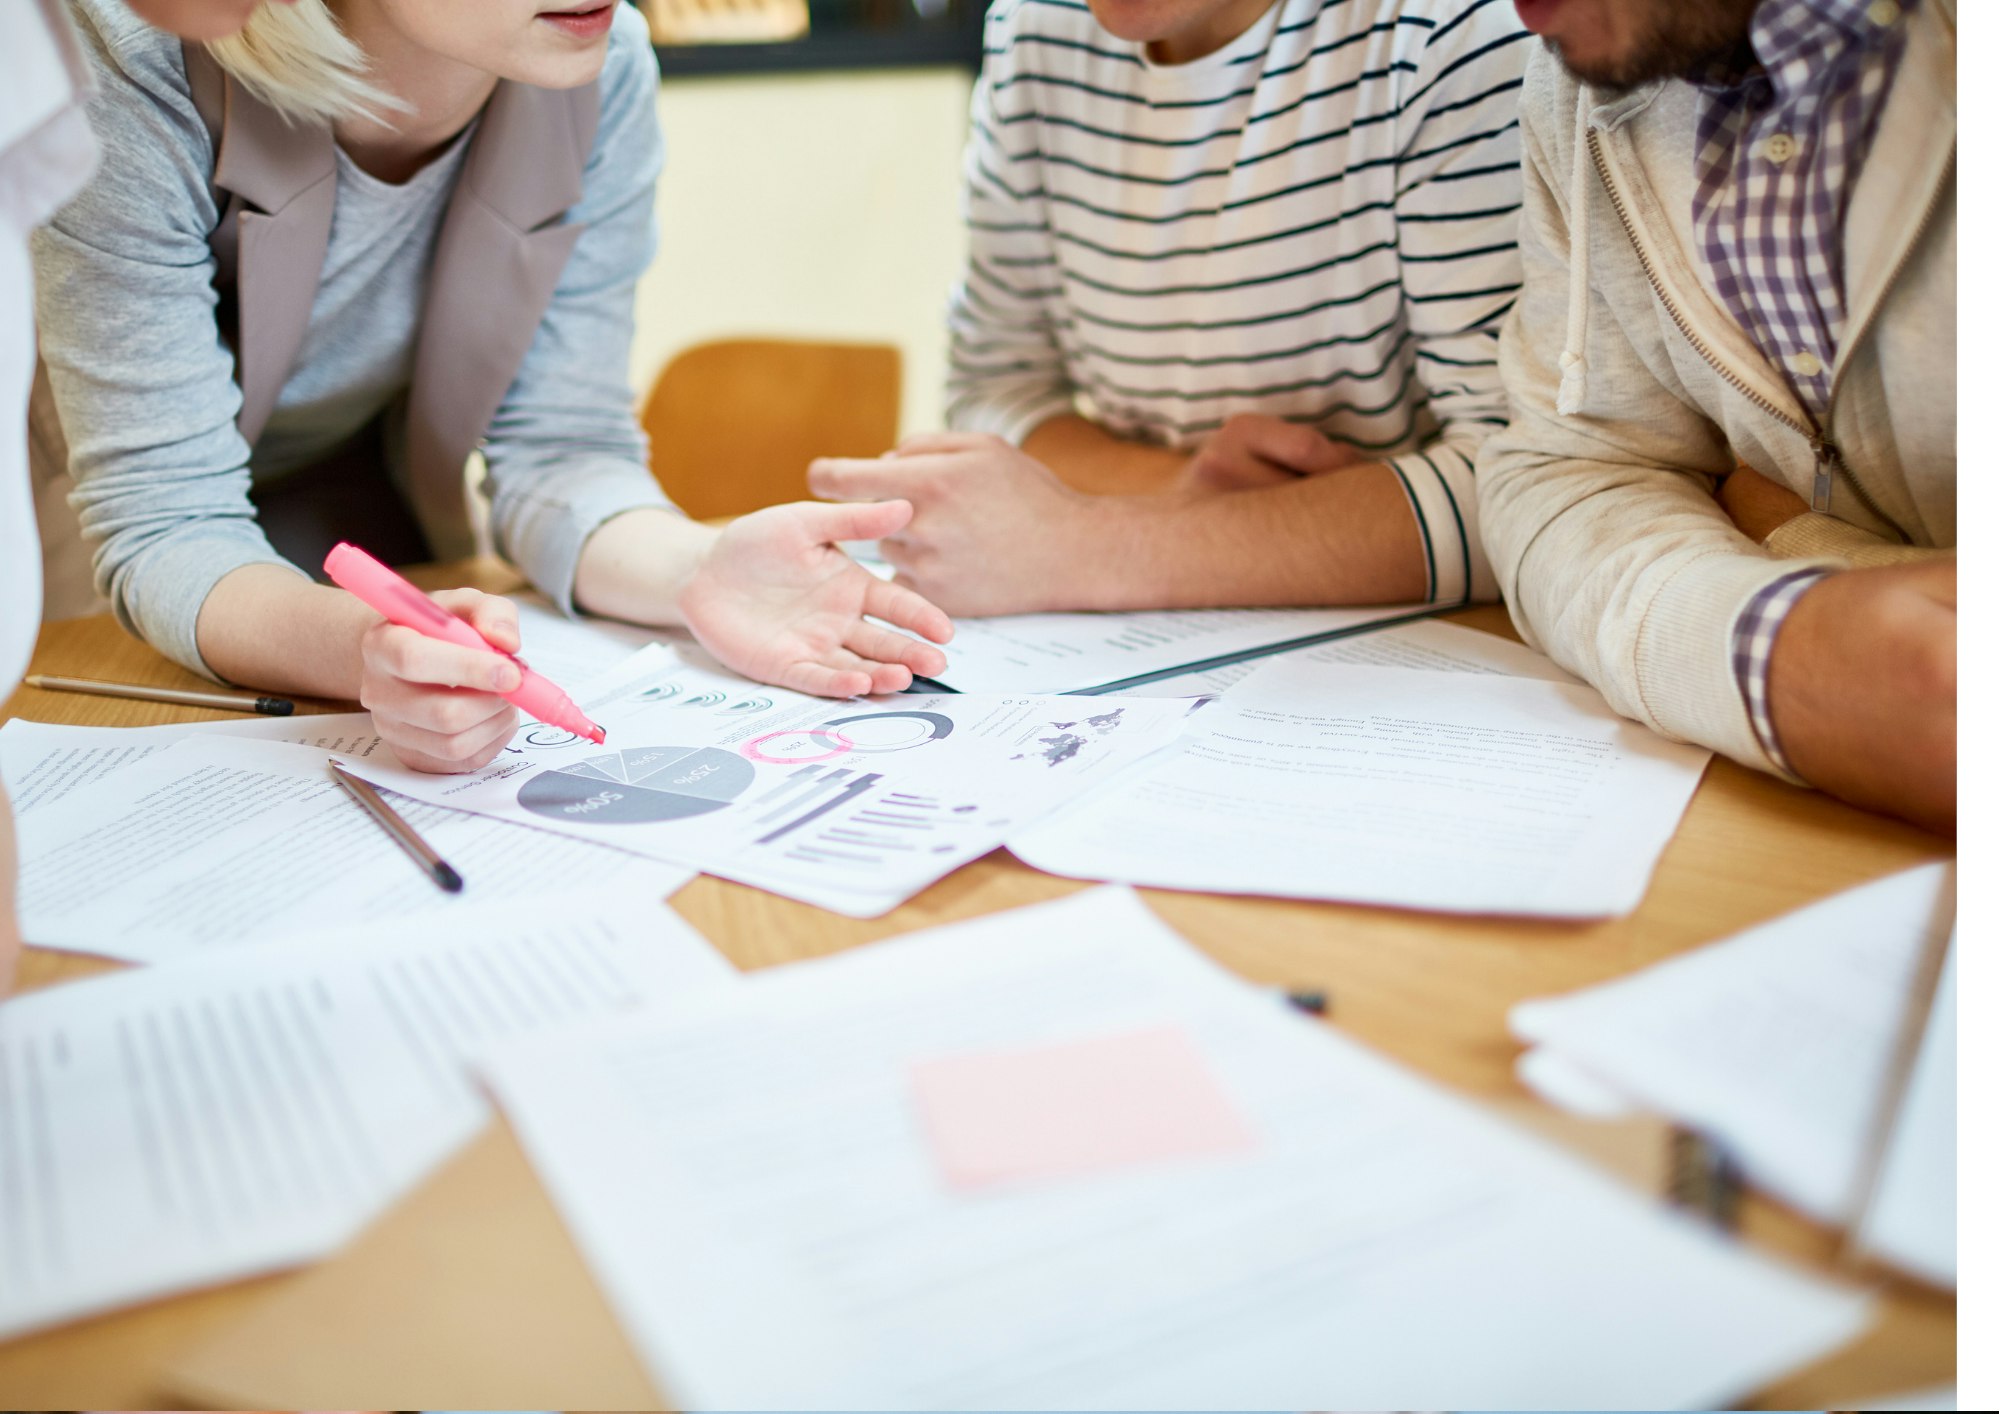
(1430, 990)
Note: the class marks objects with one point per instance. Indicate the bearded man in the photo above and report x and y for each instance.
(1728, 494)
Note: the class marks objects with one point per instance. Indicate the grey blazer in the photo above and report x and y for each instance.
(501, 249)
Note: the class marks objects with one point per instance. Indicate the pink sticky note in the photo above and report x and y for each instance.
(1051, 1111)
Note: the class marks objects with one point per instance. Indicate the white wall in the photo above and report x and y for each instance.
(810, 206)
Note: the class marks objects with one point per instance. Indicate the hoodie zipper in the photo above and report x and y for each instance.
(1827, 460)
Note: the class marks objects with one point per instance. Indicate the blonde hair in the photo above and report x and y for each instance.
(298, 59)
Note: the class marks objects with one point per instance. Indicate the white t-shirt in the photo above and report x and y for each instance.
(46, 154)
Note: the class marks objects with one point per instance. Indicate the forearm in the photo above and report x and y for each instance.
(1347, 537)
(635, 566)
(10, 933)
(266, 627)
(1089, 459)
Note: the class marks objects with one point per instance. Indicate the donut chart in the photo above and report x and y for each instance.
(642, 786)
(887, 731)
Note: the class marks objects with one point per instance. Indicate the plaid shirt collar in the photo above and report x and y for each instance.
(1794, 44)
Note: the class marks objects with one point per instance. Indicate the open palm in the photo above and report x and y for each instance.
(776, 600)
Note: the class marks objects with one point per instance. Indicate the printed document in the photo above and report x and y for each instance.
(1090, 653)
(1459, 792)
(1778, 1043)
(172, 1127)
(43, 763)
(218, 842)
(854, 806)
(775, 1229)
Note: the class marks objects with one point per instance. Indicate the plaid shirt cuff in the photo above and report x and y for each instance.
(1756, 631)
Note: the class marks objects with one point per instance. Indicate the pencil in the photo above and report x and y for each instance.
(398, 829)
(227, 701)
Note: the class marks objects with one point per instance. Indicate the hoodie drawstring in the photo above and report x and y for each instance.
(1576, 338)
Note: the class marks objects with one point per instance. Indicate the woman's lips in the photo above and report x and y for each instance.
(583, 24)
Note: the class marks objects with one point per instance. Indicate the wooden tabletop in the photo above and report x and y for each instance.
(1432, 991)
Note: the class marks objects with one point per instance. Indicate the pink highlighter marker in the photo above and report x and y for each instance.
(401, 602)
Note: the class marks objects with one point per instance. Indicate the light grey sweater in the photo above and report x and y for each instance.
(1631, 397)
(145, 388)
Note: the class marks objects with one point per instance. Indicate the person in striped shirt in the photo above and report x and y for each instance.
(1245, 262)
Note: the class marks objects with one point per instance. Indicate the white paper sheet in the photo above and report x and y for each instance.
(774, 1232)
(854, 806)
(1460, 792)
(1775, 1042)
(218, 842)
(1913, 1218)
(171, 1127)
(43, 763)
(1427, 643)
(1569, 1086)
(1043, 653)
(572, 652)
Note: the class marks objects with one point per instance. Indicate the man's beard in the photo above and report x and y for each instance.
(1675, 38)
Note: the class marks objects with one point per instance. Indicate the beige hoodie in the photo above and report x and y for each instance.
(1633, 389)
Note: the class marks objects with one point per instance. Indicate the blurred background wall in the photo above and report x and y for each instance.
(815, 194)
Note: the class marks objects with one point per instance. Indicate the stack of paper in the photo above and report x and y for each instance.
(1454, 791)
(1779, 1043)
(171, 1127)
(854, 806)
(1055, 1158)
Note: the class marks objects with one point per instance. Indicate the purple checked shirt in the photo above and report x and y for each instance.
(1779, 142)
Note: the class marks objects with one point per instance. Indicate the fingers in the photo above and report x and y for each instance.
(498, 620)
(879, 646)
(440, 711)
(436, 704)
(902, 606)
(822, 680)
(926, 443)
(861, 479)
(1297, 448)
(862, 520)
(448, 753)
(390, 650)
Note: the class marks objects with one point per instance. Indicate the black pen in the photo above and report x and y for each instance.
(370, 799)
(180, 697)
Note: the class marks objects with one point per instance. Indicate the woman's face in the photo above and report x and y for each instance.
(543, 43)
(198, 19)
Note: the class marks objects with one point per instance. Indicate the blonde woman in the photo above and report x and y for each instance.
(322, 262)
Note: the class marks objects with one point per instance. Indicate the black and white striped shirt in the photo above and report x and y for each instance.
(1316, 222)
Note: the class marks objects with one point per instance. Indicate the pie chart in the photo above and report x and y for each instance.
(644, 786)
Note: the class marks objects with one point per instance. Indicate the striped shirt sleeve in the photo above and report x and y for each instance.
(1458, 203)
(1007, 373)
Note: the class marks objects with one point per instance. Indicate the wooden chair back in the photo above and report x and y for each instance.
(734, 423)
